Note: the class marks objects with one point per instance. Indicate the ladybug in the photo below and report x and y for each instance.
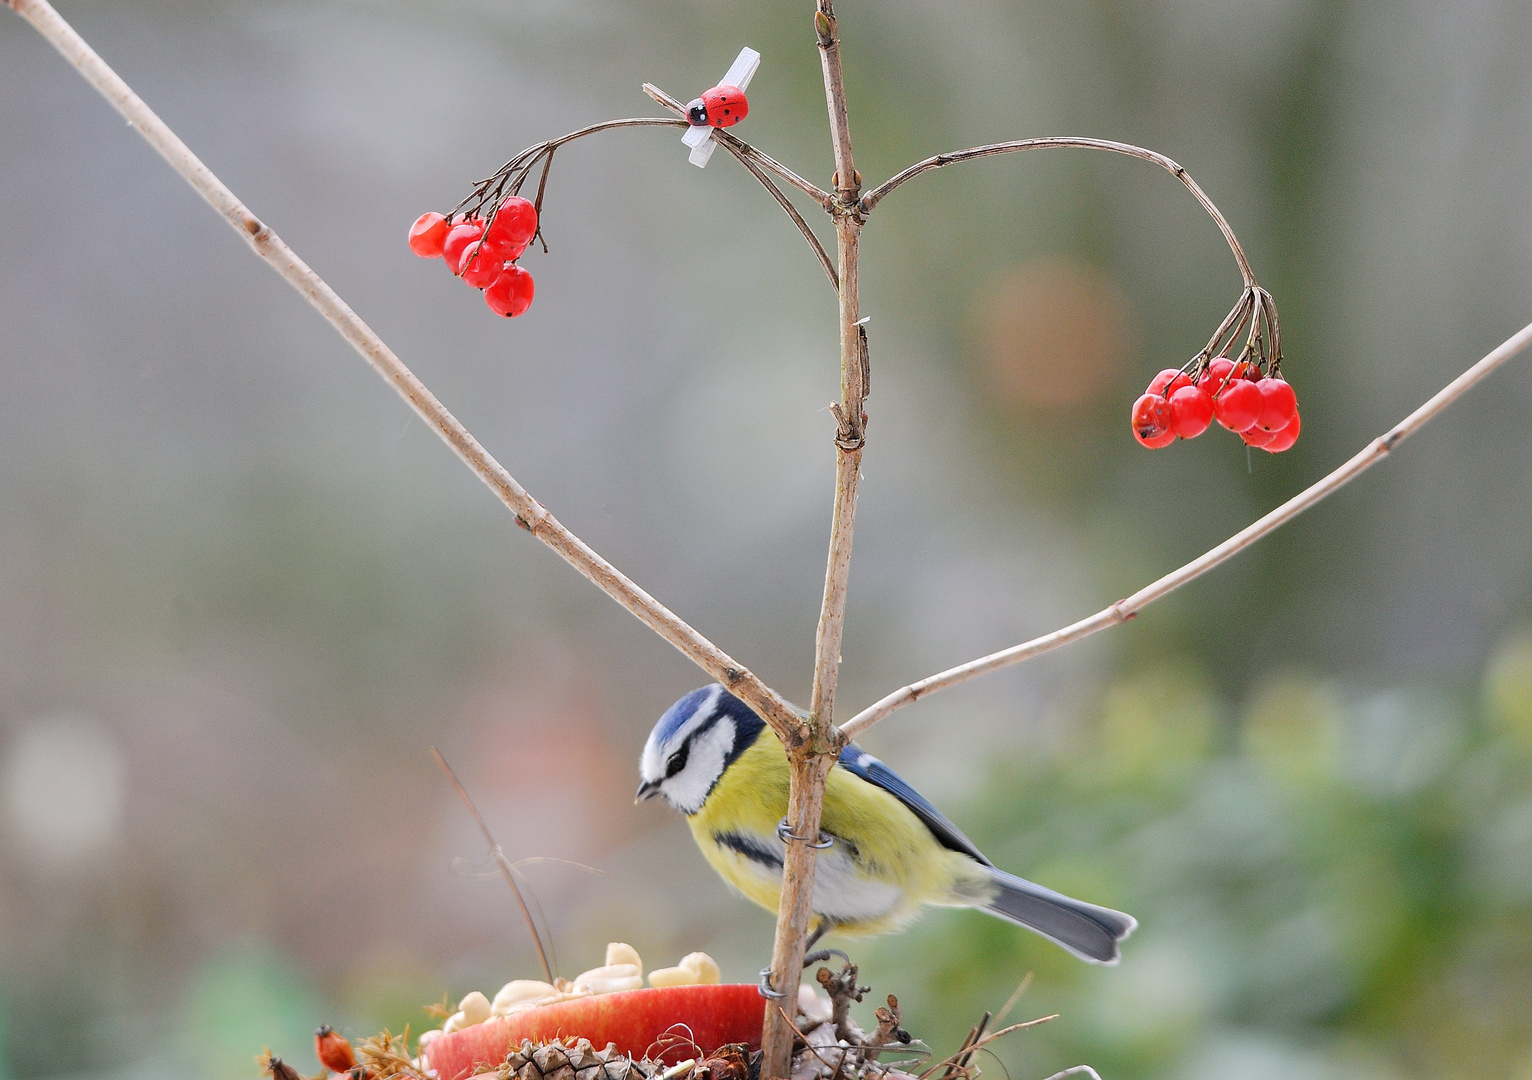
(720, 107)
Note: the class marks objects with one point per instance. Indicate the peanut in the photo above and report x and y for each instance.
(475, 1009)
(620, 952)
(704, 966)
(672, 976)
(609, 979)
(522, 994)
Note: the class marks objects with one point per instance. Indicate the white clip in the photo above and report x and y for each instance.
(700, 138)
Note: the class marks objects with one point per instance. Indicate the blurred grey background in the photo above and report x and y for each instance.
(242, 590)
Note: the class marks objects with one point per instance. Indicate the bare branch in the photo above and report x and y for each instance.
(875, 196)
(1126, 609)
(776, 193)
(529, 512)
(827, 31)
(755, 161)
(809, 765)
(819, 195)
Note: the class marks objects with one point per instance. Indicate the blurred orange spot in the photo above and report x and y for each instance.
(1053, 330)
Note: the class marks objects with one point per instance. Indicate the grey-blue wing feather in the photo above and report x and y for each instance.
(860, 763)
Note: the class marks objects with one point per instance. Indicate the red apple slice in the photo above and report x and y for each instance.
(633, 1019)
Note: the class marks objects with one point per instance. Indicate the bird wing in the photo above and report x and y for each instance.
(863, 765)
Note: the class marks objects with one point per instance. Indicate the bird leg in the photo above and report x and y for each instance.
(810, 957)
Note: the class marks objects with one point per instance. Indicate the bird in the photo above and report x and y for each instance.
(885, 851)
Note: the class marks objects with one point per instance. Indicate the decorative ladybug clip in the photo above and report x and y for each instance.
(722, 106)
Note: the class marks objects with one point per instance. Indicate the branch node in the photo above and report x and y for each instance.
(848, 437)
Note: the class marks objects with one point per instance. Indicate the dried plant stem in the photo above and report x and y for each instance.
(757, 162)
(809, 763)
(875, 196)
(1127, 608)
(498, 855)
(528, 511)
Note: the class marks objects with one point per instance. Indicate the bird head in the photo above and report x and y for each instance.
(693, 743)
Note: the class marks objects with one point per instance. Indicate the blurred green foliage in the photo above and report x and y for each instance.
(1337, 878)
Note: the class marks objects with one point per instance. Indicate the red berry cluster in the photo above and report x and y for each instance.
(1263, 410)
(484, 256)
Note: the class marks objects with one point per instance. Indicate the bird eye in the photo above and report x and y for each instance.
(676, 763)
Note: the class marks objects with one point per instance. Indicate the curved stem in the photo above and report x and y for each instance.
(876, 195)
(530, 514)
(755, 161)
(1127, 608)
(792, 211)
(818, 194)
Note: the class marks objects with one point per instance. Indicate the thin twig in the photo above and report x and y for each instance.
(498, 854)
(818, 194)
(771, 164)
(776, 193)
(755, 162)
(876, 195)
(827, 33)
(1127, 608)
(529, 512)
(809, 763)
(1010, 1002)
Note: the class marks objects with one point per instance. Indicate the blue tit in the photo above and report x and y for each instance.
(890, 851)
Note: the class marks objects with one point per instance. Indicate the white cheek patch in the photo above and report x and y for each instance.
(688, 789)
(651, 765)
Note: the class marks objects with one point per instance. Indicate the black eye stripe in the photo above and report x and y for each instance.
(677, 760)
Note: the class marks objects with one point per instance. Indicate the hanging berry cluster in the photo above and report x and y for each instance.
(483, 253)
(1246, 394)
(485, 234)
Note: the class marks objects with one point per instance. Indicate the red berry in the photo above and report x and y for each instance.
(478, 265)
(427, 234)
(1168, 382)
(1217, 376)
(511, 294)
(1151, 421)
(1191, 411)
(499, 249)
(1239, 406)
(458, 238)
(1257, 436)
(1284, 439)
(514, 224)
(1279, 404)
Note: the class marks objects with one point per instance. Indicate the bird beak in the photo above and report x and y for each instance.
(647, 790)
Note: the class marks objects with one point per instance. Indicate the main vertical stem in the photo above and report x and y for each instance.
(810, 761)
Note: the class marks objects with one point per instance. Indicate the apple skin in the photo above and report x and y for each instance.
(633, 1019)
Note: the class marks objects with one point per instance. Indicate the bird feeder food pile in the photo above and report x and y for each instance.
(685, 1025)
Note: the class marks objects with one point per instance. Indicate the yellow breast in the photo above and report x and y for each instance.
(883, 865)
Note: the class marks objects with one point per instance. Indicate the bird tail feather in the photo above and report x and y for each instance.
(1088, 931)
